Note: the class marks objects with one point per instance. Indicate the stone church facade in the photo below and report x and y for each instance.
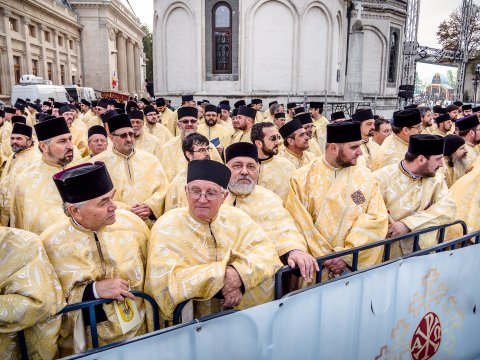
(316, 49)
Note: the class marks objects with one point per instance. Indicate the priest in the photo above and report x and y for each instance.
(295, 141)
(371, 151)
(418, 197)
(337, 205)
(221, 260)
(98, 252)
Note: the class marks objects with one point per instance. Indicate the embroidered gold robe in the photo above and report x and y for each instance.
(149, 143)
(79, 259)
(273, 218)
(138, 178)
(15, 164)
(241, 136)
(5, 148)
(418, 203)
(158, 130)
(297, 161)
(472, 155)
(35, 199)
(173, 160)
(320, 132)
(259, 117)
(168, 120)
(79, 139)
(30, 296)
(373, 154)
(274, 175)
(394, 150)
(338, 209)
(175, 196)
(216, 131)
(314, 148)
(187, 259)
(92, 121)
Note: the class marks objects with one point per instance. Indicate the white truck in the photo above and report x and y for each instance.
(78, 93)
(34, 87)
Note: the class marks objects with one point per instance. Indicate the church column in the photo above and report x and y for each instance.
(121, 62)
(57, 57)
(43, 56)
(10, 75)
(353, 86)
(138, 71)
(28, 54)
(130, 66)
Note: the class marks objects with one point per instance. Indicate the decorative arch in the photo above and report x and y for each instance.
(169, 86)
(374, 77)
(291, 53)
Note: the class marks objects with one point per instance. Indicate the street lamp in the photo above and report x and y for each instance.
(475, 81)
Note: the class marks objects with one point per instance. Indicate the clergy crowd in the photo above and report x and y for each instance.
(204, 203)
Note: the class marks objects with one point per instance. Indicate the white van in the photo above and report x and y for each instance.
(33, 87)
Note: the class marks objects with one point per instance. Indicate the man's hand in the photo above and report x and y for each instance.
(232, 281)
(219, 149)
(336, 265)
(305, 262)
(116, 289)
(142, 210)
(233, 298)
(397, 228)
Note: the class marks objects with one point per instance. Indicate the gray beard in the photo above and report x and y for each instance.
(241, 189)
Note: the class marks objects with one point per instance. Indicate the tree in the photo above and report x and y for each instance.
(148, 50)
(419, 84)
(448, 33)
(451, 79)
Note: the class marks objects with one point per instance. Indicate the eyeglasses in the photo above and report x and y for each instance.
(124, 135)
(275, 137)
(197, 193)
(188, 121)
(202, 150)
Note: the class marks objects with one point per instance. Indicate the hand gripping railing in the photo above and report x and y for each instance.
(387, 244)
(90, 305)
(177, 314)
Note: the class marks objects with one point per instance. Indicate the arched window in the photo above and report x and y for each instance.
(393, 55)
(222, 38)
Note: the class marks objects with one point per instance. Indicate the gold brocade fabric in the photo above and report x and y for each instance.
(5, 149)
(452, 174)
(173, 160)
(137, 178)
(15, 164)
(175, 196)
(149, 143)
(79, 259)
(466, 195)
(30, 296)
(472, 155)
(373, 154)
(338, 209)
(266, 209)
(168, 119)
(394, 150)
(241, 136)
(418, 203)
(158, 130)
(216, 131)
(187, 259)
(275, 173)
(297, 161)
(35, 199)
(79, 139)
(314, 148)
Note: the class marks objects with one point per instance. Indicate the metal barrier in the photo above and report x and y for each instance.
(90, 305)
(387, 244)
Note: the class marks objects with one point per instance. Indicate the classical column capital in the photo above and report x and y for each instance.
(43, 27)
(3, 49)
(27, 20)
(6, 12)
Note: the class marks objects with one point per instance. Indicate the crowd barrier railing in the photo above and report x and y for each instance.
(90, 305)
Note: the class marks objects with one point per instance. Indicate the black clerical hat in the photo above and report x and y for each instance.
(291, 105)
(97, 129)
(406, 118)
(210, 108)
(343, 132)
(107, 115)
(135, 114)
(290, 127)
(239, 103)
(316, 105)
(247, 111)
(467, 122)
(64, 109)
(272, 103)
(9, 110)
(83, 182)
(149, 109)
(442, 118)
(241, 149)
(119, 121)
(256, 101)
(208, 170)
(145, 101)
(103, 103)
(185, 111)
(186, 98)
(85, 102)
(452, 143)
(476, 109)
(22, 129)
(304, 118)
(426, 144)
(466, 107)
(299, 110)
(18, 119)
(439, 109)
(224, 102)
(234, 112)
(337, 115)
(50, 128)
(160, 102)
(279, 116)
(362, 115)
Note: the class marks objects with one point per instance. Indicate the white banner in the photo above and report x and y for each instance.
(416, 308)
